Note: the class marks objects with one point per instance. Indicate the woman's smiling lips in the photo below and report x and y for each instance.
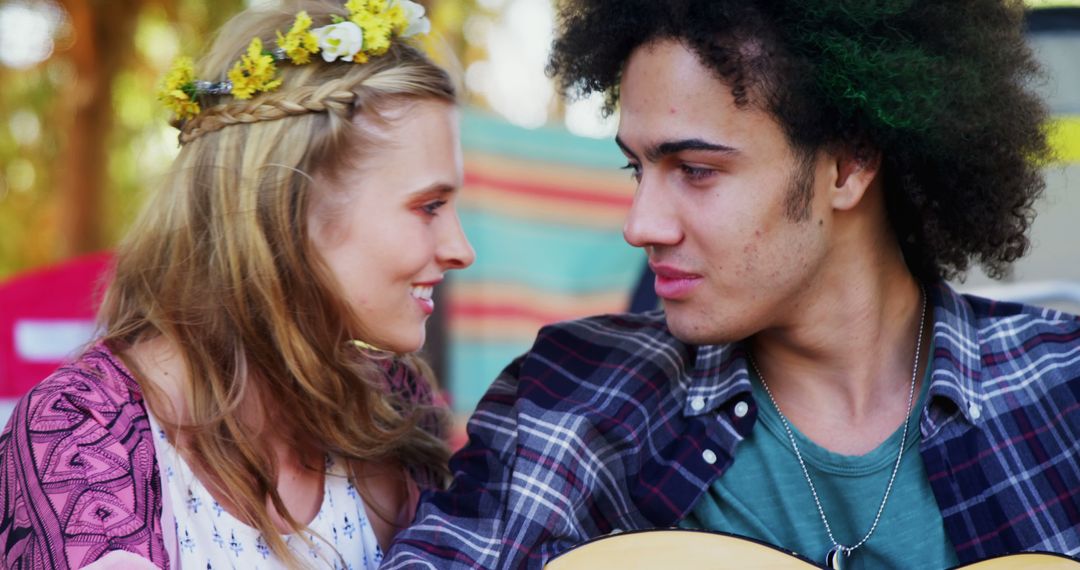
(673, 284)
(421, 292)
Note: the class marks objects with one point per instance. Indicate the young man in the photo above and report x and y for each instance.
(808, 174)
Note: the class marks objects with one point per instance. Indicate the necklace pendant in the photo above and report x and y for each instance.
(835, 558)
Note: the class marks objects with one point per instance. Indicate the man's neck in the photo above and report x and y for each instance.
(841, 367)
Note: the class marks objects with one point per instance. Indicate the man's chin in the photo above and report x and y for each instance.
(699, 333)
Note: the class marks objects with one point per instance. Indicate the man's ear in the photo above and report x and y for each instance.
(856, 168)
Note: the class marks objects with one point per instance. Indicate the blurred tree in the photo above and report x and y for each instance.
(104, 32)
(81, 134)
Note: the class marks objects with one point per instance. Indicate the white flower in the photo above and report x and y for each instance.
(414, 13)
(339, 41)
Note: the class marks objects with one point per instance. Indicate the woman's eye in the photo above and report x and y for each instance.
(431, 207)
(635, 171)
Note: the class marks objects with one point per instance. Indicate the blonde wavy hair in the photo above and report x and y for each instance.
(220, 264)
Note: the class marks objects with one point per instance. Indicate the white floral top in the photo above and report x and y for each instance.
(209, 538)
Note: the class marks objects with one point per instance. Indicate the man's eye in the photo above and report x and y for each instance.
(635, 170)
(694, 173)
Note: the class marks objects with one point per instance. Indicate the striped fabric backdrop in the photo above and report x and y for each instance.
(544, 211)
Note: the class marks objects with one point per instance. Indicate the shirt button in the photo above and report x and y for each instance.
(975, 411)
(709, 456)
(741, 408)
(697, 403)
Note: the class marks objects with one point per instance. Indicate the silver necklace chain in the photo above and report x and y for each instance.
(837, 547)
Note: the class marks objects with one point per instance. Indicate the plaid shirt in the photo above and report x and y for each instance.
(600, 428)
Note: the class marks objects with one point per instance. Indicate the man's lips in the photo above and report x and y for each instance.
(673, 284)
(670, 272)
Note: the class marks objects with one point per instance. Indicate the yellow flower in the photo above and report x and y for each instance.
(181, 73)
(399, 21)
(254, 72)
(377, 31)
(178, 89)
(356, 7)
(380, 21)
(299, 43)
(369, 6)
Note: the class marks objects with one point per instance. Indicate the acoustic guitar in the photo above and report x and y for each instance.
(707, 550)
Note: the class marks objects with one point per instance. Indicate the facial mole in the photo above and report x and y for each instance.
(672, 110)
(821, 222)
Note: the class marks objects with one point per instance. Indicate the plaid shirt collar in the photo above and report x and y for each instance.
(721, 372)
(957, 367)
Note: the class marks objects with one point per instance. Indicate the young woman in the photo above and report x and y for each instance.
(251, 401)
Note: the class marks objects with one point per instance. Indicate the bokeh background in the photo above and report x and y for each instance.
(83, 141)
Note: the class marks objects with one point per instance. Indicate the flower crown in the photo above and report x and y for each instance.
(367, 31)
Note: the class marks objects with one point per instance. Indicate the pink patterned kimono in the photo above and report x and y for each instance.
(78, 473)
(79, 479)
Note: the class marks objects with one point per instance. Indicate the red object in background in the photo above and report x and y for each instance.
(45, 315)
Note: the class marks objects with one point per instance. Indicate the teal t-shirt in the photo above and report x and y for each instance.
(764, 495)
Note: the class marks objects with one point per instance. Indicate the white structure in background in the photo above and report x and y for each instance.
(27, 30)
(51, 340)
(583, 118)
(512, 80)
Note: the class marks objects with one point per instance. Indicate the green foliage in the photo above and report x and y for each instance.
(29, 144)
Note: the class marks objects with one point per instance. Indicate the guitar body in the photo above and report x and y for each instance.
(677, 548)
(706, 550)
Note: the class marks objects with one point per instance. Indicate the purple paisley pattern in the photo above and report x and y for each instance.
(78, 473)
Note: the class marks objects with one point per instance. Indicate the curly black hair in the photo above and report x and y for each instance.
(942, 89)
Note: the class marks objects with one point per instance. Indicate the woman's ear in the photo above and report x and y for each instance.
(856, 168)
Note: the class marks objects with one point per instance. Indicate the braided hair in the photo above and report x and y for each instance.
(336, 89)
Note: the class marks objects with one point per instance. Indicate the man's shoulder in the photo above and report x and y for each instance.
(614, 350)
(1020, 327)
(1019, 342)
(614, 328)
(616, 335)
(992, 312)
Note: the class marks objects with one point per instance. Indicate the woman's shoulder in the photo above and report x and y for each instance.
(95, 385)
(77, 457)
(90, 402)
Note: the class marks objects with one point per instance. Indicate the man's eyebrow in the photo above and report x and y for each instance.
(655, 153)
(622, 145)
